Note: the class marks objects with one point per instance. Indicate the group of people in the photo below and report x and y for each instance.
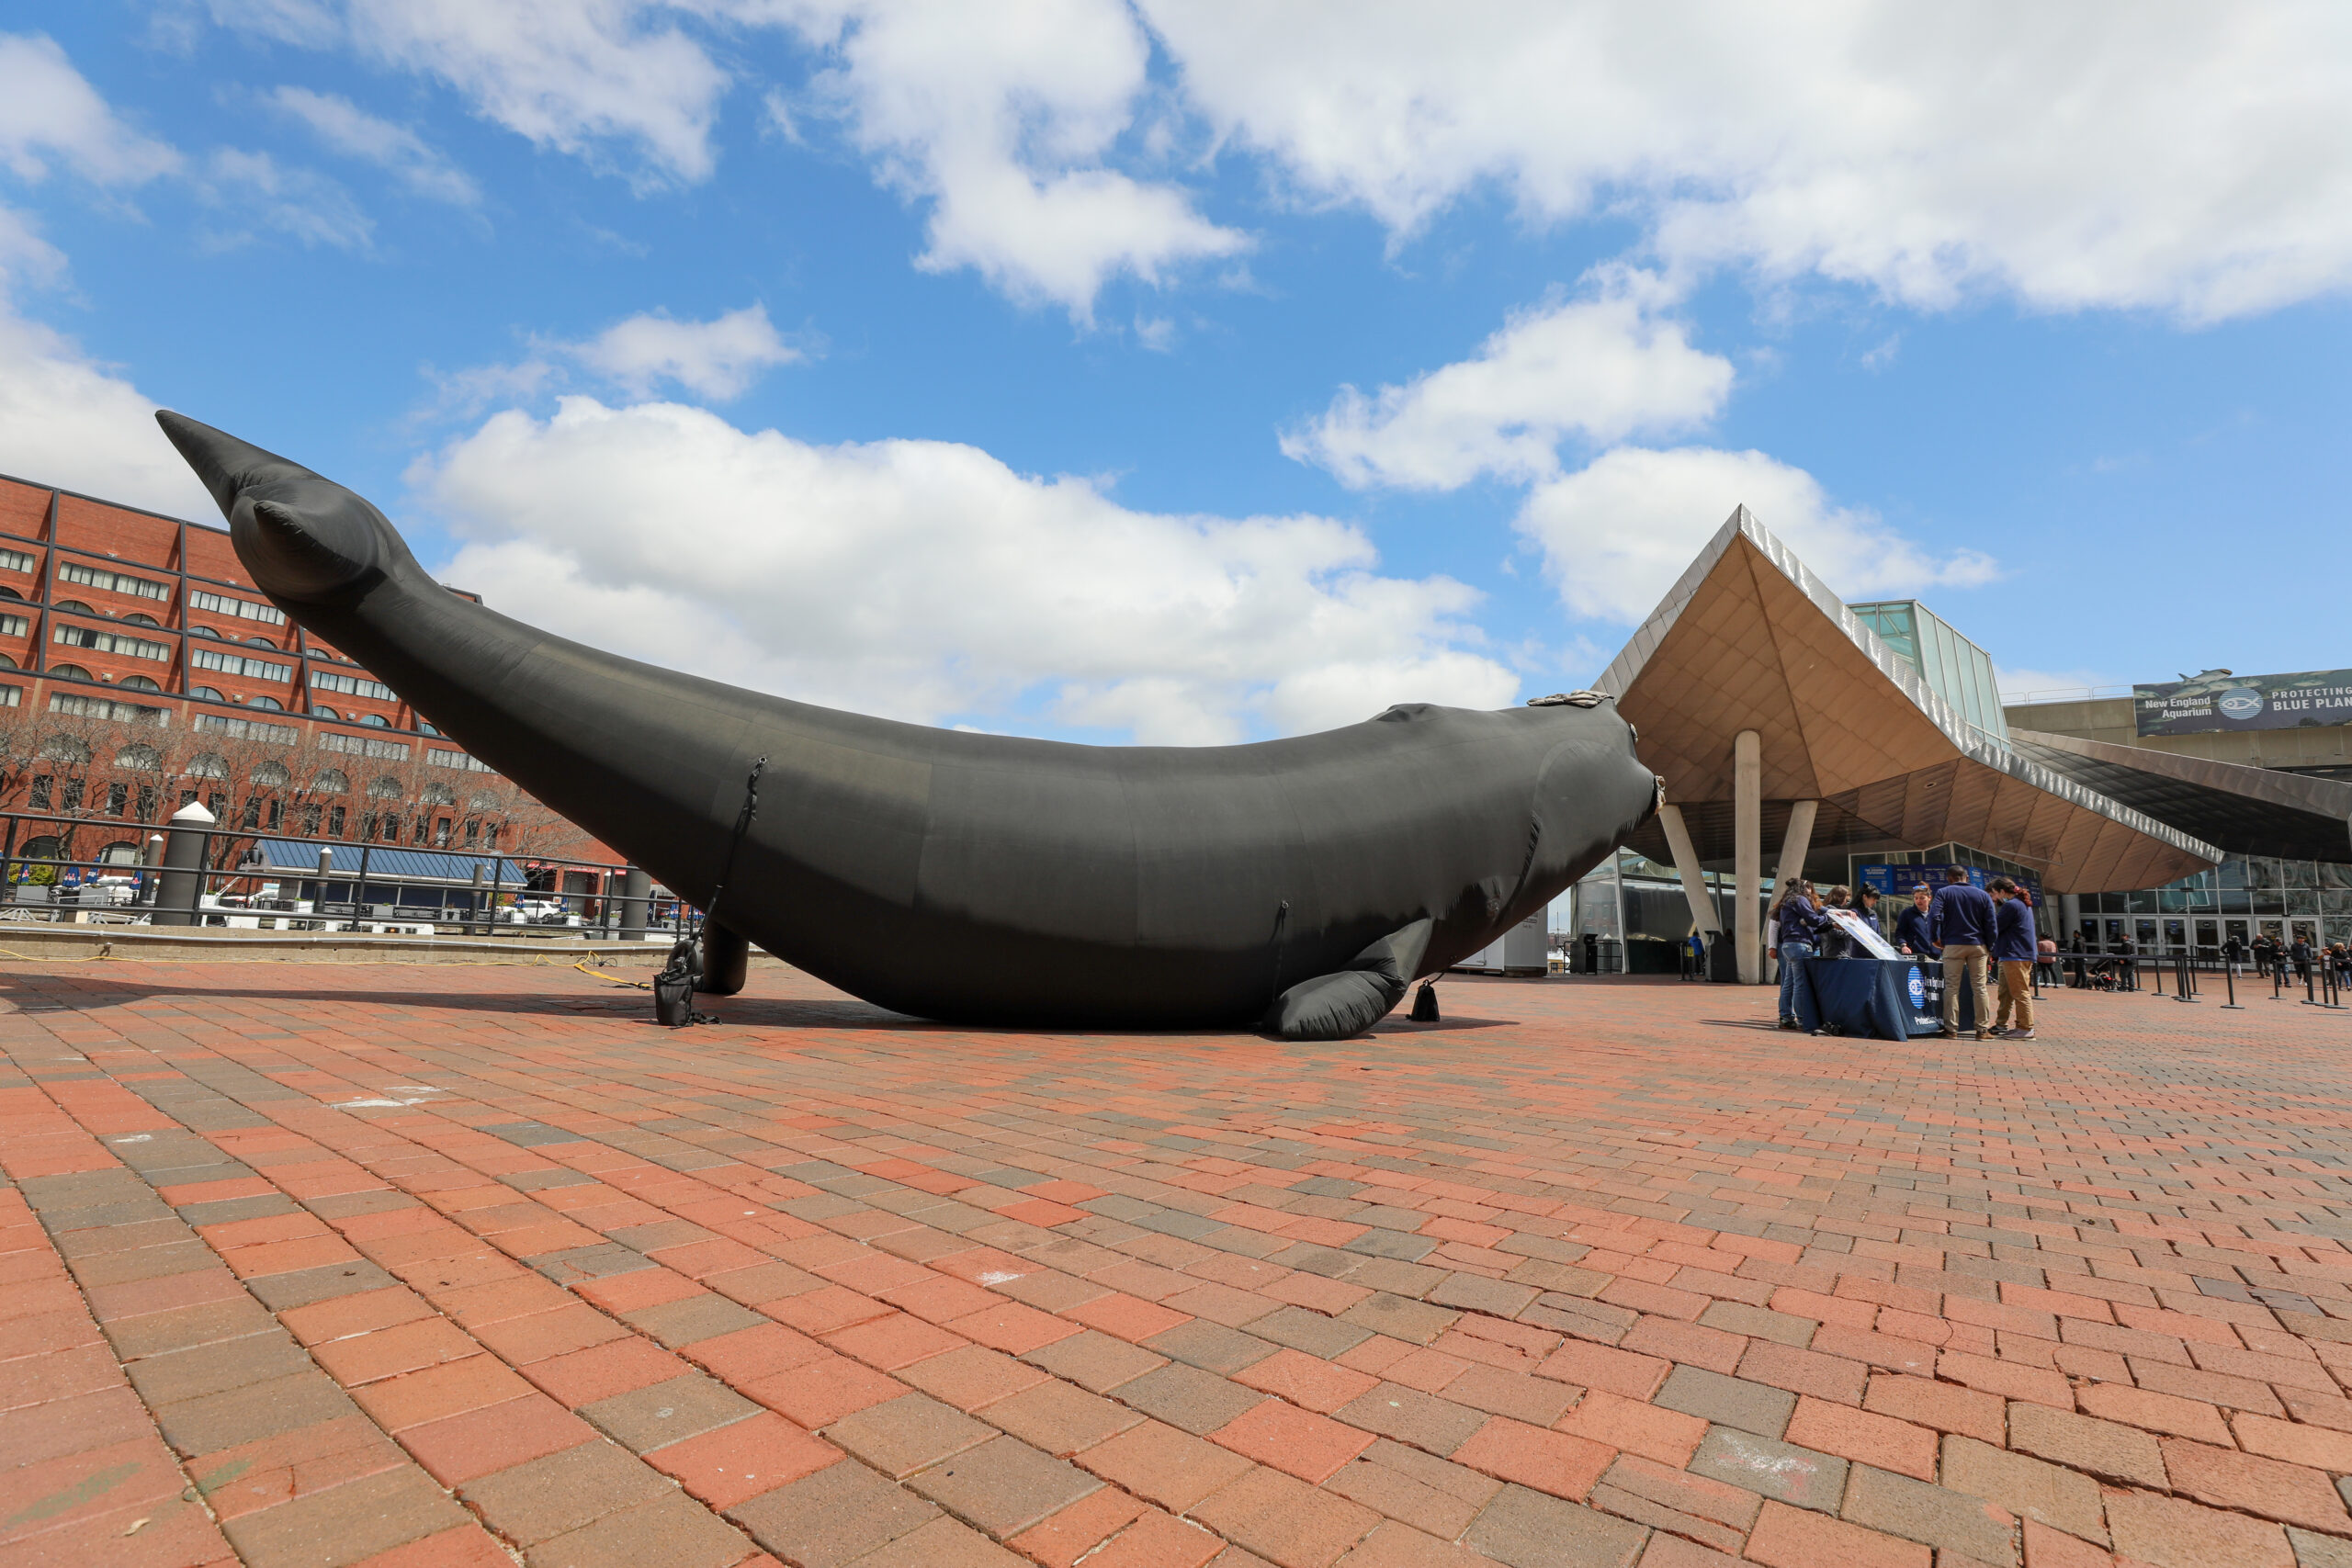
(2306, 957)
(1975, 932)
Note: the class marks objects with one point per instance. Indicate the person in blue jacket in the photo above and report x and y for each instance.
(1960, 921)
(1796, 932)
(1911, 925)
(2016, 949)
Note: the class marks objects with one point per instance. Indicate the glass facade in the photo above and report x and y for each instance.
(1954, 667)
(2244, 897)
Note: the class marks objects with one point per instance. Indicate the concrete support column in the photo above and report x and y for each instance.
(2070, 917)
(1685, 866)
(183, 880)
(1748, 851)
(1798, 844)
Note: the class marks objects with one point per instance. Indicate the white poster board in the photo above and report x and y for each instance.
(1865, 934)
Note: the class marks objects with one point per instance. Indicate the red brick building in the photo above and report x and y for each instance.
(145, 631)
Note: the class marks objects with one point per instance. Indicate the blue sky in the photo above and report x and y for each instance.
(1181, 372)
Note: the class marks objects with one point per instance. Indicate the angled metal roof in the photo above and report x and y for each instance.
(1748, 637)
(2254, 811)
(387, 862)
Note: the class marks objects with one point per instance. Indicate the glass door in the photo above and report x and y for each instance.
(2209, 939)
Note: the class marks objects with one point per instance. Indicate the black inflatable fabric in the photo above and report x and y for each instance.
(1296, 884)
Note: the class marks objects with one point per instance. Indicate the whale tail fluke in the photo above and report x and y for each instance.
(305, 539)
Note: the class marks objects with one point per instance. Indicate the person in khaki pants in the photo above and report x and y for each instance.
(2013, 949)
(1961, 922)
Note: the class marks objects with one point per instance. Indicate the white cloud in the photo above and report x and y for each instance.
(50, 112)
(1602, 367)
(580, 76)
(348, 128)
(1616, 535)
(255, 189)
(68, 420)
(1003, 120)
(718, 359)
(2195, 160)
(924, 580)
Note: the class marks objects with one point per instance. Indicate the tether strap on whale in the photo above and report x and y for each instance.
(673, 988)
(735, 841)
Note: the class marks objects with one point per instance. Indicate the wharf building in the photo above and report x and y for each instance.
(140, 670)
(1868, 743)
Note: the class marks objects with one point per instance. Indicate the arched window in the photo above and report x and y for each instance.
(483, 803)
(11, 594)
(209, 765)
(378, 720)
(138, 683)
(42, 848)
(6, 662)
(424, 728)
(207, 693)
(257, 642)
(142, 757)
(384, 787)
(68, 672)
(123, 853)
(270, 704)
(272, 775)
(74, 607)
(320, 710)
(136, 619)
(204, 631)
(333, 782)
(438, 794)
(65, 748)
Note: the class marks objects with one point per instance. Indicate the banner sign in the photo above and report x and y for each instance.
(1896, 882)
(2218, 701)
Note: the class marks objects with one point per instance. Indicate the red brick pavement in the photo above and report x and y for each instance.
(414, 1267)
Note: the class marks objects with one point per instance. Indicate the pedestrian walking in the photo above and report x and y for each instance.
(2015, 947)
(2234, 954)
(1959, 923)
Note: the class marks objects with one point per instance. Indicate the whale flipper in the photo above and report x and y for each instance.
(1351, 1001)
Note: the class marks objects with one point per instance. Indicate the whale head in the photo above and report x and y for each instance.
(307, 540)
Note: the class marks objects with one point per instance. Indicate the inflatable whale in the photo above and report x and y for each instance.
(1298, 885)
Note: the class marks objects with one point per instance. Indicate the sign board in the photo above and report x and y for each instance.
(1865, 934)
(2217, 701)
(1896, 882)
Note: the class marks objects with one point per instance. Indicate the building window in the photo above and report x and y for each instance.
(42, 786)
(111, 582)
(244, 609)
(136, 619)
(146, 803)
(69, 672)
(123, 643)
(310, 814)
(204, 631)
(101, 707)
(14, 626)
(217, 803)
(138, 683)
(334, 820)
(440, 829)
(237, 664)
(276, 815)
(350, 685)
(320, 710)
(441, 758)
(73, 607)
(118, 799)
(209, 693)
(11, 696)
(252, 818)
(15, 560)
(71, 800)
(375, 720)
(221, 723)
(391, 750)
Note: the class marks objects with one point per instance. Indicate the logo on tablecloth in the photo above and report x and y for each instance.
(1918, 987)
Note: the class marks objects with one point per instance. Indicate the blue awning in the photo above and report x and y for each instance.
(386, 863)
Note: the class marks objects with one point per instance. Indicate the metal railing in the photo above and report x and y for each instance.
(186, 875)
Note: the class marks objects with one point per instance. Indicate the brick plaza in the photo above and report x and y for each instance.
(414, 1265)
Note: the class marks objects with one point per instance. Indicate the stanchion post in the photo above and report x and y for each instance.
(2230, 978)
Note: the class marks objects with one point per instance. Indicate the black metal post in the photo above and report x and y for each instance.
(2230, 978)
(359, 897)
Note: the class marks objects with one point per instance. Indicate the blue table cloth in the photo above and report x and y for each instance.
(1879, 999)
